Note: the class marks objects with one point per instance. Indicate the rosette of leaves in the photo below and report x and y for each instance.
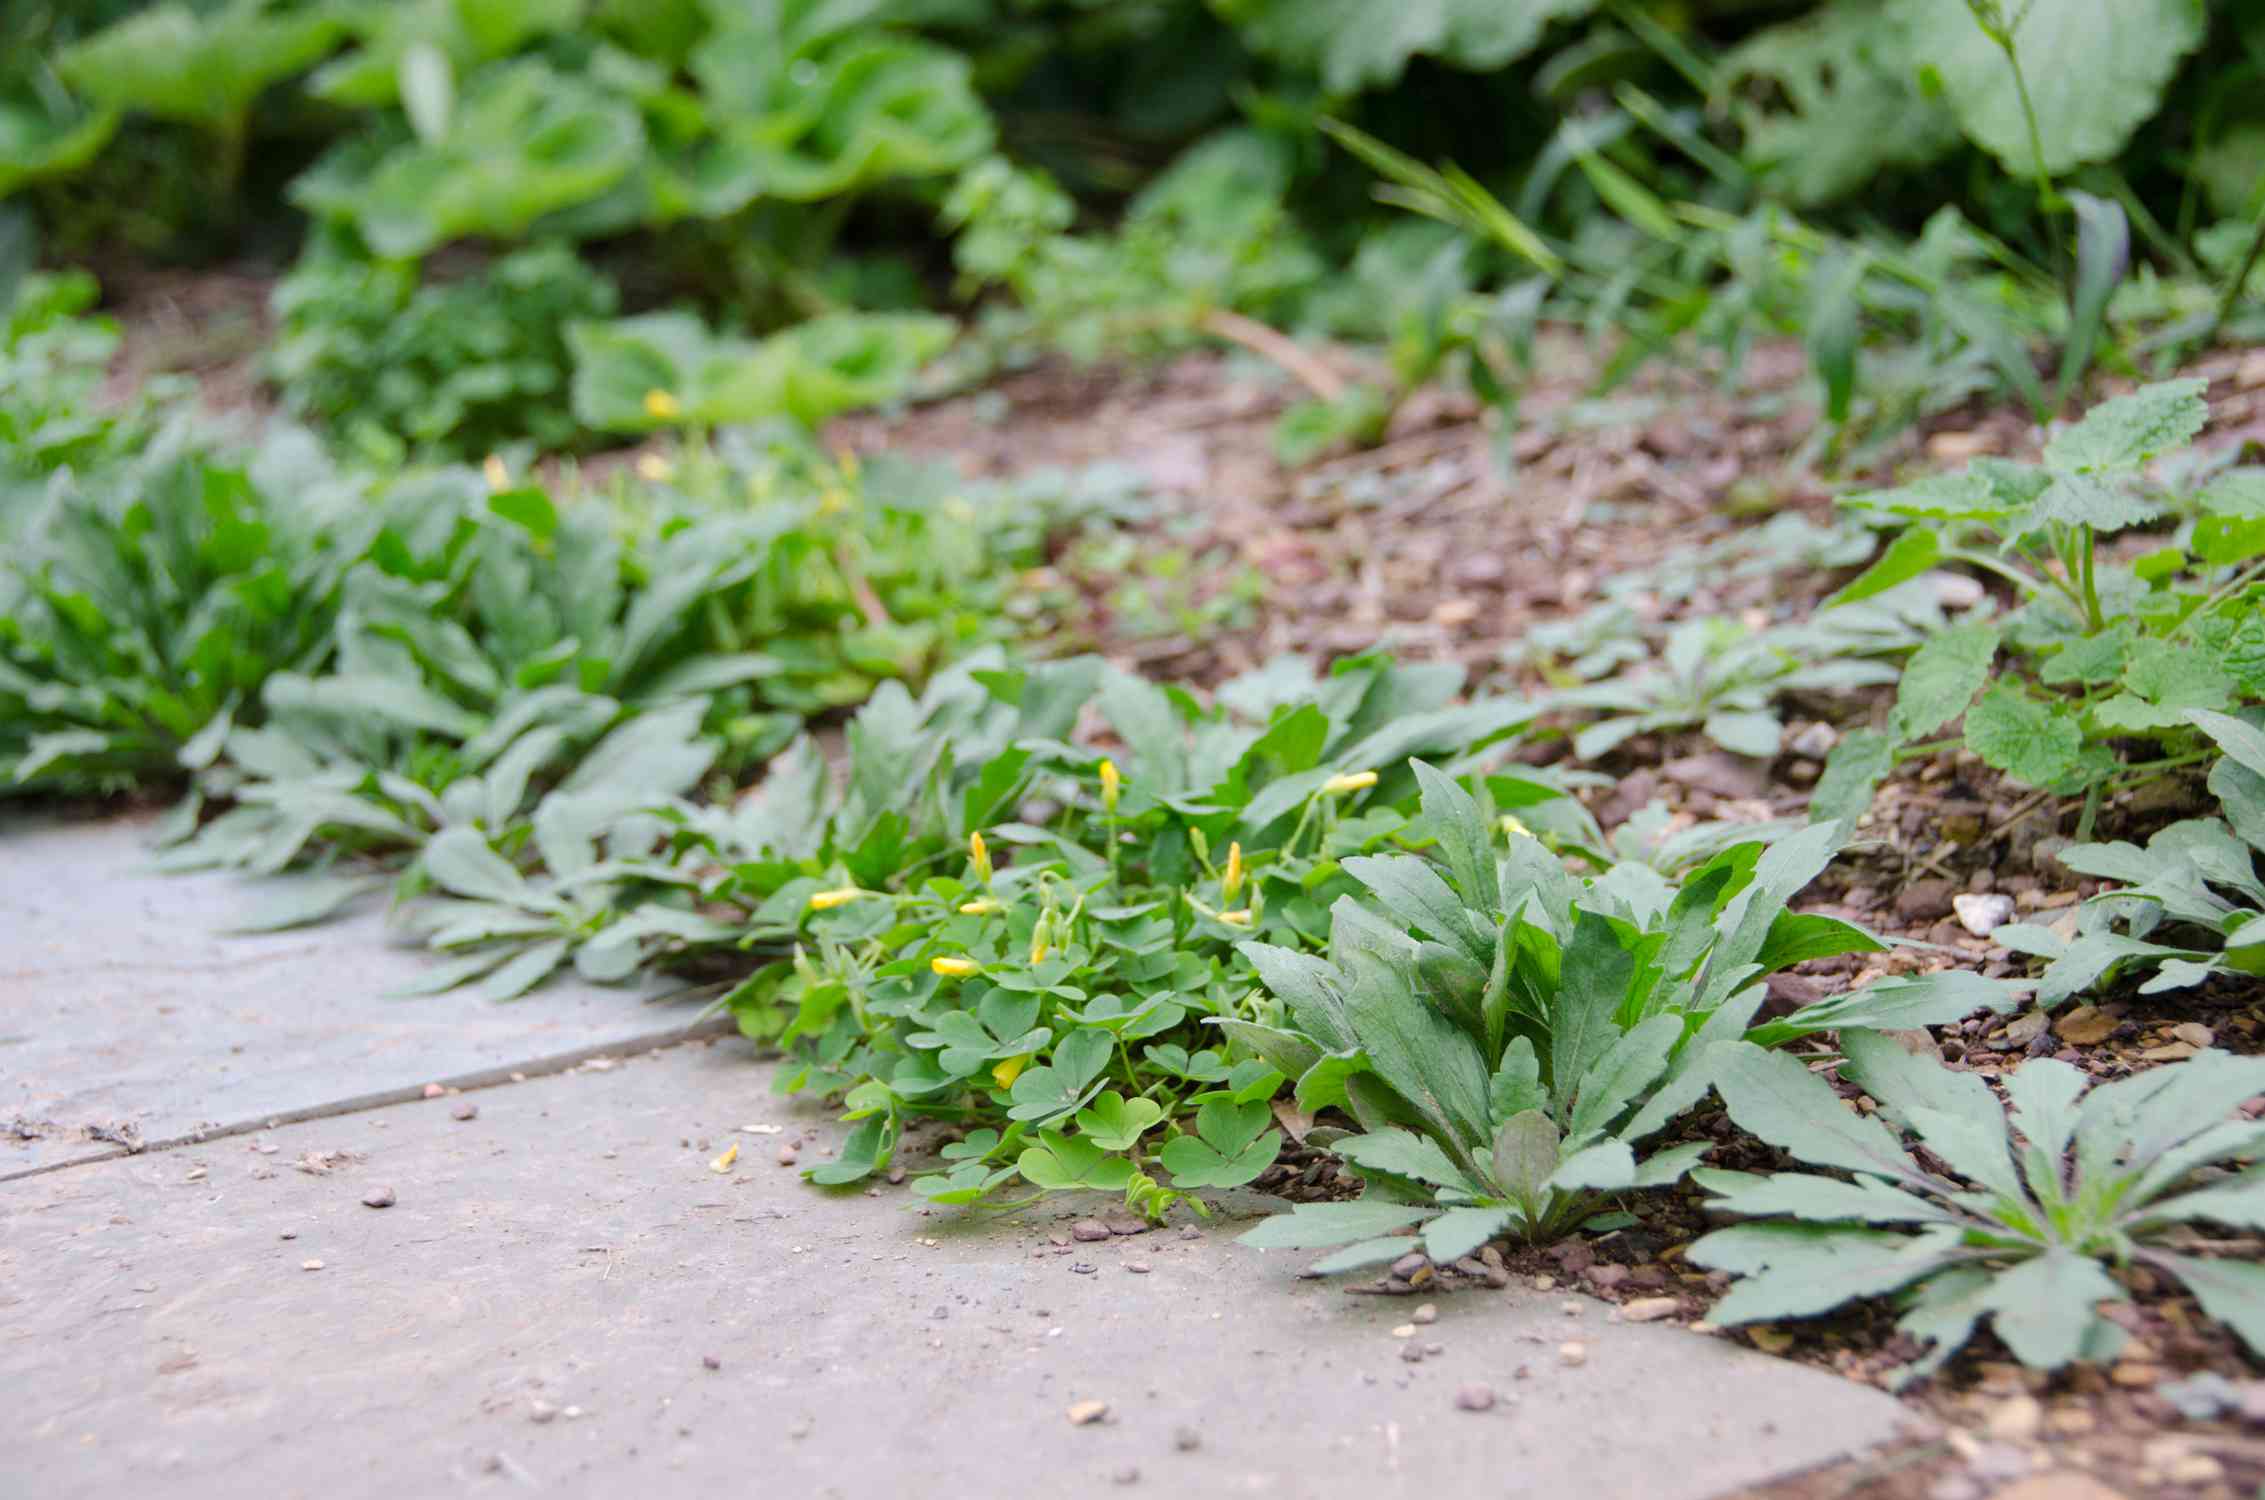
(2037, 1204)
(2189, 906)
(1506, 1034)
(1717, 676)
(481, 645)
(2114, 653)
(144, 603)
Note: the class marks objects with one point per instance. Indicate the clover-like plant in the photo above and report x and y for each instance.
(2020, 1230)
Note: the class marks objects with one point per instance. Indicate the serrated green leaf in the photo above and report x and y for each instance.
(1942, 677)
(2025, 737)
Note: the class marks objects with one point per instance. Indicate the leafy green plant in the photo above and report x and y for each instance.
(1719, 677)
(2167, 890)
(143, 603)
(454, 371)
(1041, 976)
(2017, 1230)
(662, 370)
(2118, 653)
(204, 66)
(1506, 1034)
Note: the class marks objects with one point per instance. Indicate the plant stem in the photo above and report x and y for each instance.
(1325, 383)
(2094, 621)
(1989, 564)
(2228, 299)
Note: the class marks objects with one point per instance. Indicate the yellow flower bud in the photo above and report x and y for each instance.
(1111, 782)
(655, 468)
(979, 858)
(1238, 918)
(828, 900)
(1038, 948)
(982, 908)
(1514, 828)
(954, 968)
(1232, 881)
(662, 407)
(1349, 781)
(834, 501)
(1007, 1072)
(499, 477)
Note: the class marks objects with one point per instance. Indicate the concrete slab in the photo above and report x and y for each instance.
(572, 1246)
(126, 1014)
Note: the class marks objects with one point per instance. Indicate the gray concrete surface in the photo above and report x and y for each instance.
(566, 1298)
(571, 1245)
(125, 1010)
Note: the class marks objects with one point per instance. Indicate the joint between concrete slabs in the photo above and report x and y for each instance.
(480, 1078)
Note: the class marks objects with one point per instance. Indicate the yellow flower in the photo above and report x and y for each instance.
(834, 501)
(1232, 881)
(1514, 828)
(979, 858)
(954, 968)
(655, 468)
(662, 407)
(1007, 1072)
(1349, 781)
(723, 1162)
(1239, 918)
(828, 900)
(1038, 948)
(499, 477)
(982, 908)
(1111, 782)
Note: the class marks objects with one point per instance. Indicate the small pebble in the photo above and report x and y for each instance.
(709, 1361)
(788, 1156)
(1411, 1353)
(1573, 1353)
(1407, 1266)
(1129, 1474)
(1475, 1398)
(1404, 1331)
(310, 1265)
(434, 1091)
(465, 1111)
(1646, 1309)
(1427, 1312)
(1086, 1413)
(541, 1411)
(378, 1198)
(1186, 1439)
(1982, 914)
(1137, 1267)
(1090, 1231)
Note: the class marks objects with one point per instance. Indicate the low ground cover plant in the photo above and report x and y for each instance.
(2037, 1204)
(2108, 655)
(1508, 1034)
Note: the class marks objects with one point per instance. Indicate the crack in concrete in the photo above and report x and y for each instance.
(481, 1078)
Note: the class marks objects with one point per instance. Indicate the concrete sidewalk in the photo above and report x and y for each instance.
(564, 1297)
